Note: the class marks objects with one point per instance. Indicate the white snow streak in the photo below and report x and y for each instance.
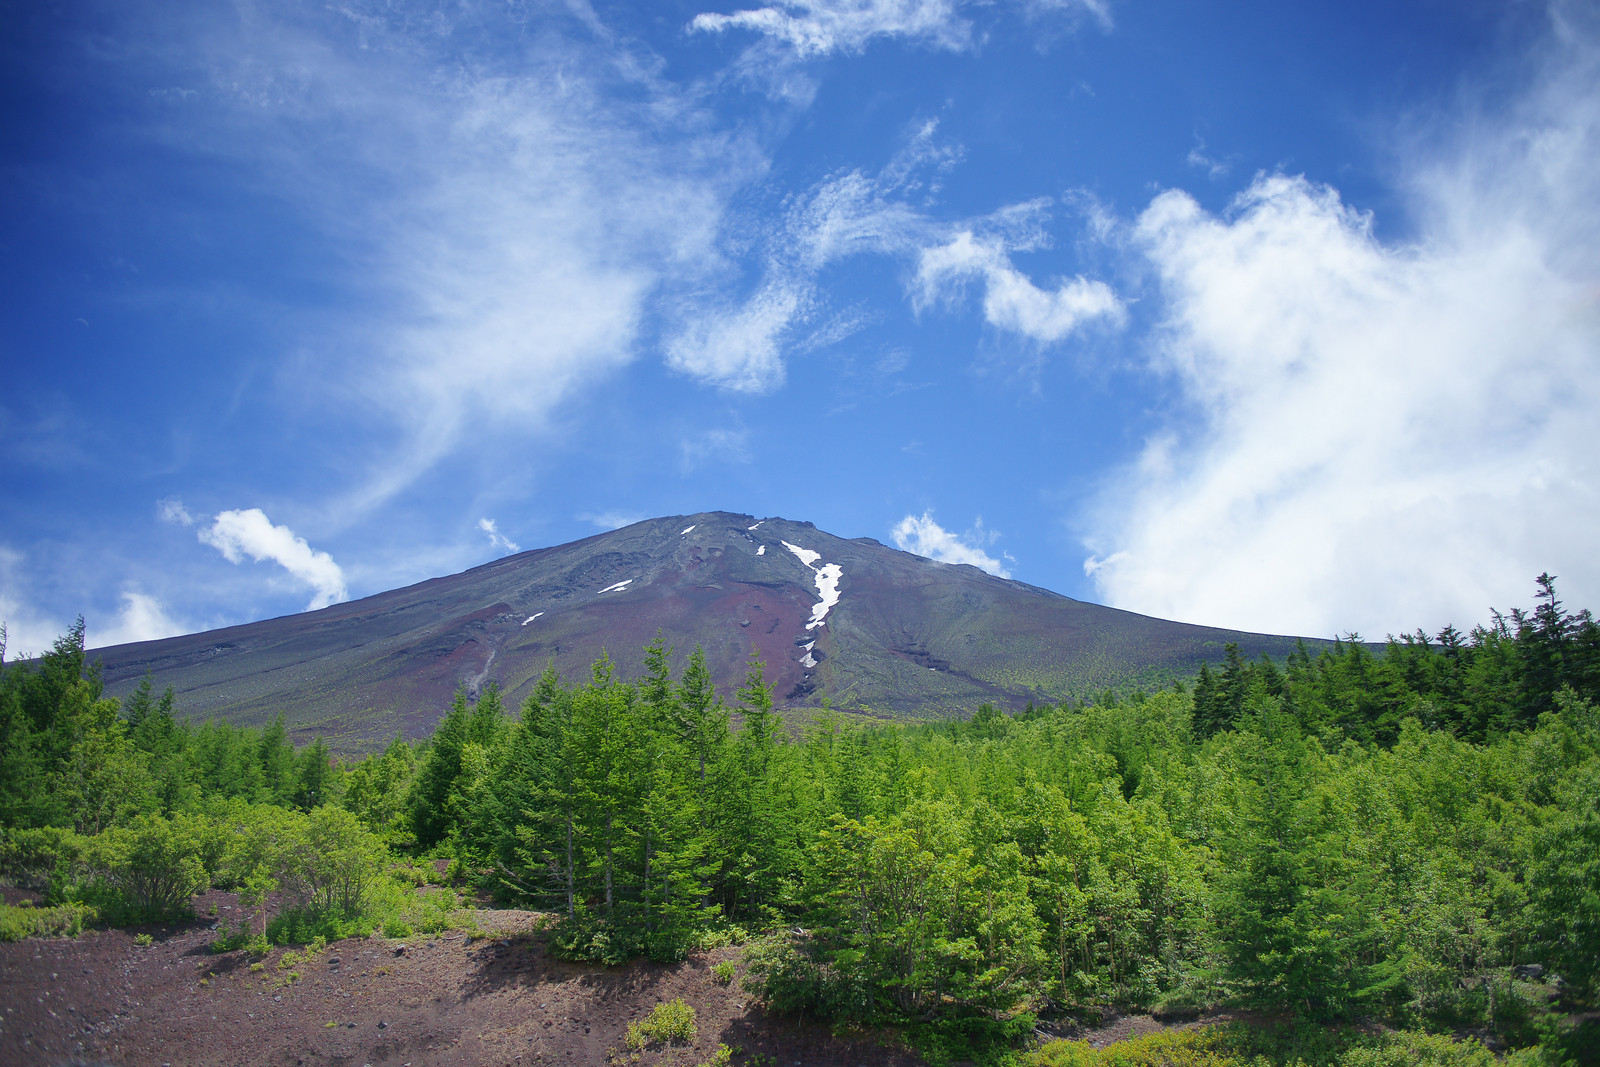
(808, 557)
(761, 551)
(530, 618)
(757, 524)
(620, 585)
(827, 578)
(828, 585)
(686, 530)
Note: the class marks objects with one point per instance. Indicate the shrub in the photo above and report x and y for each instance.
(723, 972)
(67, 920)
(147, 871)
(1240, 1046)
(670, 1022)
(39, 858)
(786, 974)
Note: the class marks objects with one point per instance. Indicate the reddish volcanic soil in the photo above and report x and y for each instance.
(497, 1000)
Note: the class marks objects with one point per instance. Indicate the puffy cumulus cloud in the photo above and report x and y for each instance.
(142, 618)
(1011, 301)
(818, 27)
(28, 632)
(925, 537)
(496, 538)
(249, 532)
(1387, 435)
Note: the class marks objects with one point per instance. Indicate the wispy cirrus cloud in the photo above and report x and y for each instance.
(814, 28)
(610, 520)
(851, 213)
(497, 210)
(249, 532)
(1378, 434)
(819, 27)
(923, 536)
(719, 443)
(496, 538)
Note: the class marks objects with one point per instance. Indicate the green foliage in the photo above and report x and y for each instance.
(145, 872)
(1360, 834)
(66, 920)
(670, 1022)
(722, 973)
(1242, 1046)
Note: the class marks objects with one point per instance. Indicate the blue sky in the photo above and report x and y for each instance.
(1284, 317)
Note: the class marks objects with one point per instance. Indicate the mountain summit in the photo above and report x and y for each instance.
(866, 626)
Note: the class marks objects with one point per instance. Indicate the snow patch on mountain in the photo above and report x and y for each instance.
(757, 524)
(827, 579)
(808, 557)
(530, 618)
(761, 550)
(687, 529)
(620, 585)
(828, 585)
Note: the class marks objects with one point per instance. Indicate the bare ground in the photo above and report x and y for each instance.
(501, 999)
(452, 1000)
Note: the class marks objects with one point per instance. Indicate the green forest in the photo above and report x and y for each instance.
(1407, 835)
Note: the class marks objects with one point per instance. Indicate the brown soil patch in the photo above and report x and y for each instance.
(503, 999)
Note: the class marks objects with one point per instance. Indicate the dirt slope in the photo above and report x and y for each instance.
(496, 1000)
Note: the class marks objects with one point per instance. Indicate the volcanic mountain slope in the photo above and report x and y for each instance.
(866, 626)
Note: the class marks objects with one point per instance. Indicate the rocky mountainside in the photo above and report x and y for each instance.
(865, 626)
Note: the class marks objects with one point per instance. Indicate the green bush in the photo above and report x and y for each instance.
(669, 1023)
(1241, 1046)
(723, 972)
(67, 920)
(786, 975)
(147, 871)
(39, 858)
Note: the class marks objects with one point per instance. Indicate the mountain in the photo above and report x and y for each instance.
(868, 627)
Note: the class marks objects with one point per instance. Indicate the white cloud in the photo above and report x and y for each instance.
(818, 27)
(611, 520)
(171, 509)
(813, 28)
(142, 618)
(496, 538)
(729, 445)
(739, 349)
(1213, 168)
(925, 537)
(851, 213)
(250, 533)
(1011, 301)
(28, 633)
(1388, 435)
(501, 219)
